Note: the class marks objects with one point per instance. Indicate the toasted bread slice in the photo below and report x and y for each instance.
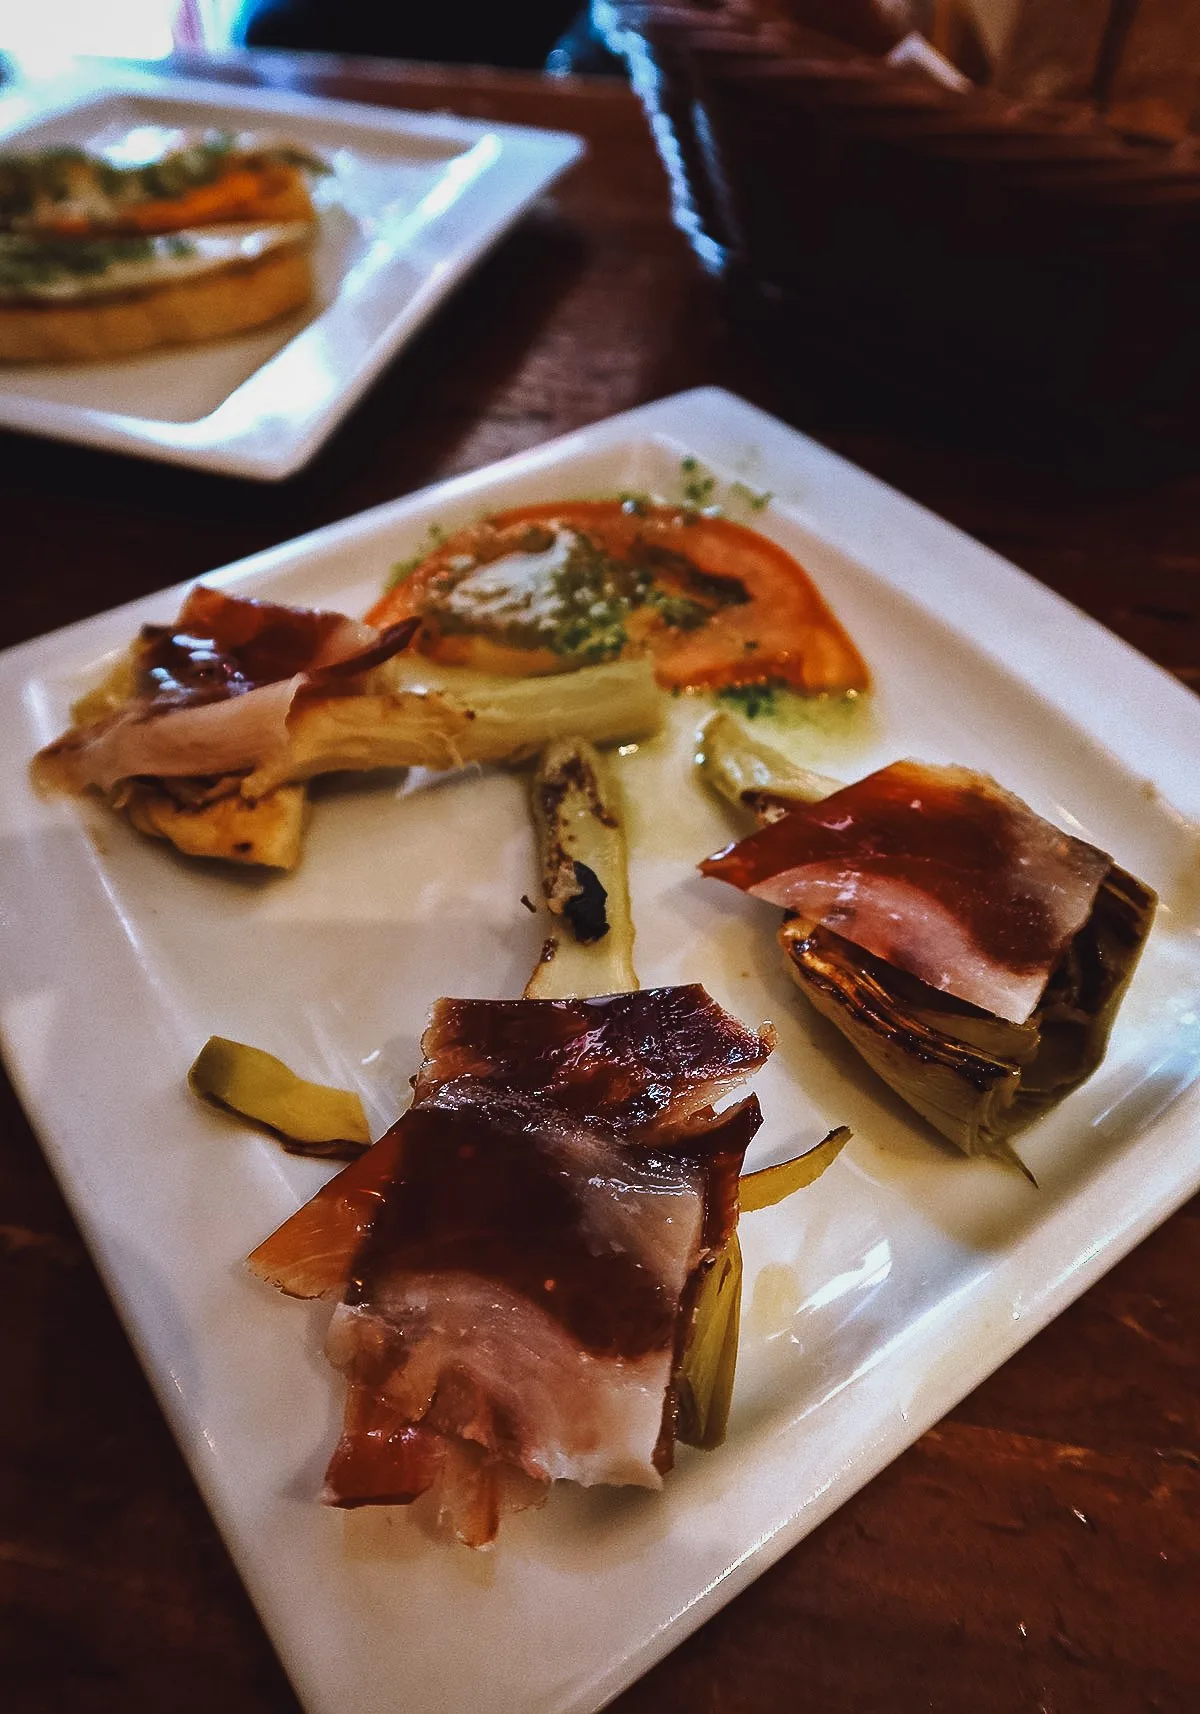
(211, 306)
(268, 832)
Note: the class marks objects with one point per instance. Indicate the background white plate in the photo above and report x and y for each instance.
(413, 201)
(873, 1301)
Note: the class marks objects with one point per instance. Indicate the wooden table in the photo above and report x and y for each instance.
(1040, 1550)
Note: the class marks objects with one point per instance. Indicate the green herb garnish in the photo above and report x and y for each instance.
(27, 262)
(65, 174)
(755, 499)
(404, 568)
(699, 486)
(677, 610)
(752, 700)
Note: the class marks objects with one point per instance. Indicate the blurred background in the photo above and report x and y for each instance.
(955, 200)
(42, 38)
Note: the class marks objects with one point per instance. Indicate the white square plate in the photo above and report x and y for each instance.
(873, 1301)
(413, 201)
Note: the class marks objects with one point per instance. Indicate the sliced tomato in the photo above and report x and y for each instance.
(776, 628)
(271, 192)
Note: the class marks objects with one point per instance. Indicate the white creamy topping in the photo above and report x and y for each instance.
(146, 144)
(517, 588)
(146, 264)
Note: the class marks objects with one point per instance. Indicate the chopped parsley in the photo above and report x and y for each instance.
(700, 491)
(757, 500)
(677, 610)
(752, 699)
(699, 486)
(67, 174)
(26, 261)
(176, 173)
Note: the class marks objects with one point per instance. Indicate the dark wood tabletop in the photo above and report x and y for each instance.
(1039, 1551)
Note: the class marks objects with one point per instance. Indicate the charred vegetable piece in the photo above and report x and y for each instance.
(556, 586)
(584, 876)
(266, 833)
(977, 1076)
(308, 1118)
(964, 1092)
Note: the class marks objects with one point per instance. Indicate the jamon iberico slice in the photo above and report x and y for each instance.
(211, 694)
(640, 1061)
(518, 1259)
(936, 870)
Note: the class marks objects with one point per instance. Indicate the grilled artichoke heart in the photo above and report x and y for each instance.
(977, 1078)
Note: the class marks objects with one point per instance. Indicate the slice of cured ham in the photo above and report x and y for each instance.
(518, 1258)
(524, 1291)
(213, 692)
(642, 1060)
(937, 870)
(311, 1254)
(222, 644)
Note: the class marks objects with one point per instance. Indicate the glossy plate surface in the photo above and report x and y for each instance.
(874, 1301)
(413, 200)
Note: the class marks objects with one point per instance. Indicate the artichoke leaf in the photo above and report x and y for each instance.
(752, 775)
(395, 721)
(964, 1091)
(976, 1078)
(116, 688)
(308, 1118)
(771, 1184)
(704, 1379)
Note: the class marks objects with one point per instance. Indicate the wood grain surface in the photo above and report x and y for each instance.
(1039, 1551)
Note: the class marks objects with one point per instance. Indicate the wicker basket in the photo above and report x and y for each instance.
(1025, 253)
